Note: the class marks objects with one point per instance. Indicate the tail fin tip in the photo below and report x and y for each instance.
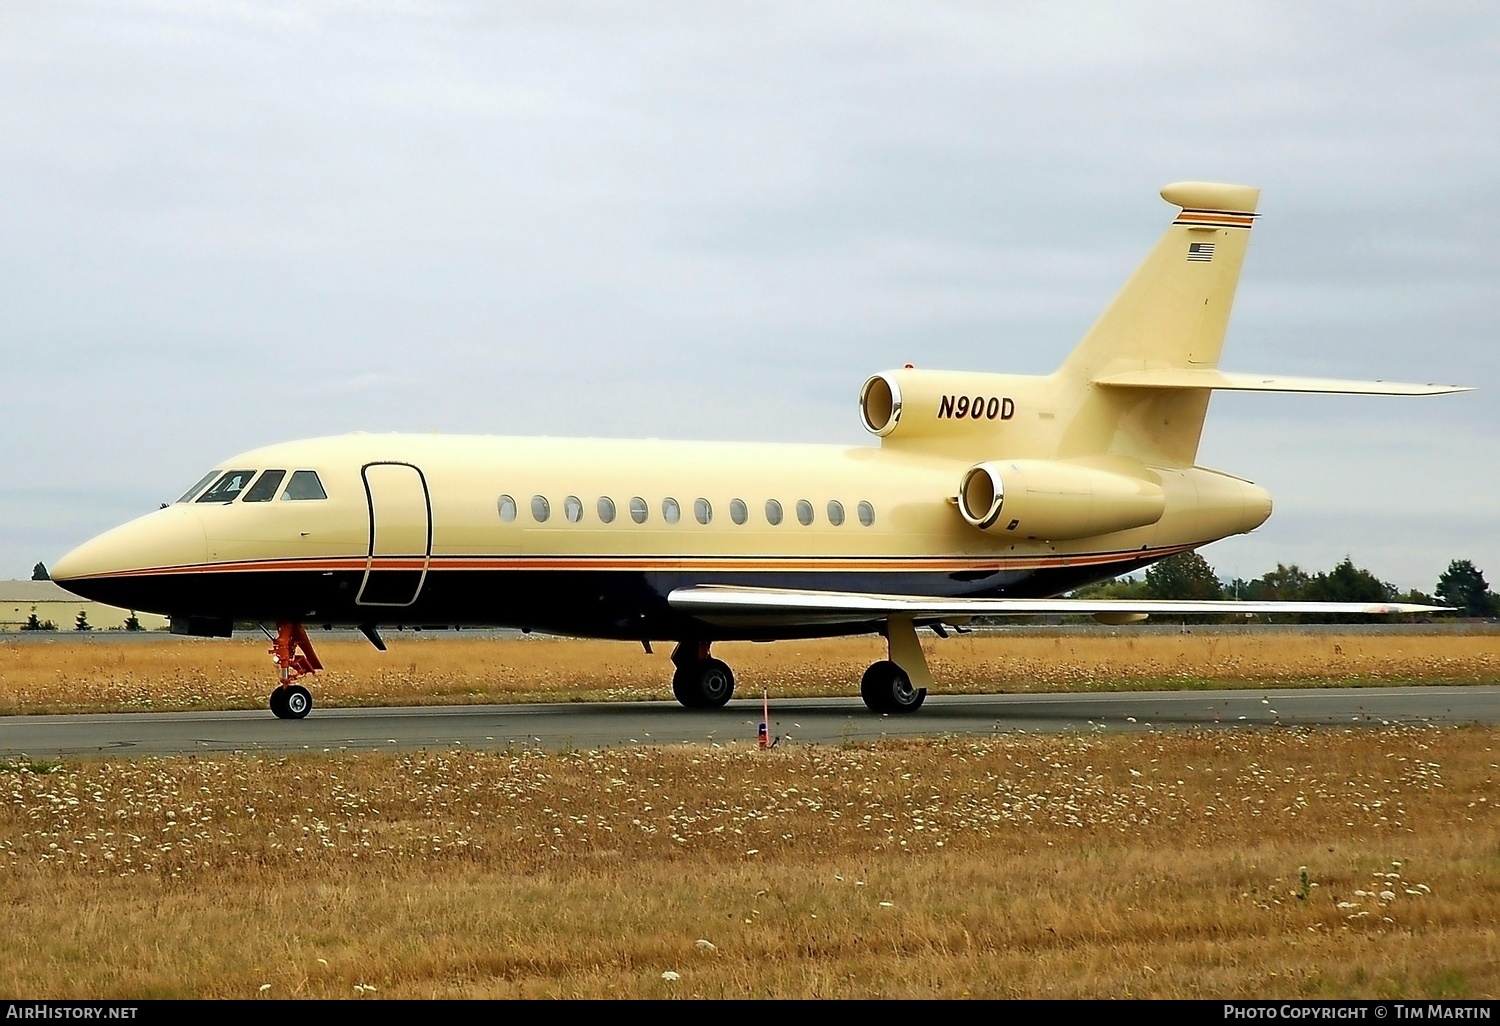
(1212, 196)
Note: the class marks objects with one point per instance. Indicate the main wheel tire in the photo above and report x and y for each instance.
(682, 686)
(298, 702)
(715, 683)
(703, 684)
(278, 703)
(886, 688)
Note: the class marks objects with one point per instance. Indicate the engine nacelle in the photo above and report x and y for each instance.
(1052, 500)
(938, 404)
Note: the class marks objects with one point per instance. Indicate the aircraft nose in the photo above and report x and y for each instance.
(123, 567)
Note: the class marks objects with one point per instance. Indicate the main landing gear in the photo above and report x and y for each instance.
(700, 682)
(898, 684)
(886, 688)
(894, 686)
(294, 657)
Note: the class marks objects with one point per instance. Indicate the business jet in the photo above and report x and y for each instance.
(986, 495)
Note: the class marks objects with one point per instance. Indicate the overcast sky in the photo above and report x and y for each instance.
(224, 225)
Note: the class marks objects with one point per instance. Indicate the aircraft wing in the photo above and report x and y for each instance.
(731, 605)
(1206, 377)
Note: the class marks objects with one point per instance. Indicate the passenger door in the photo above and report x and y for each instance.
(400, 535)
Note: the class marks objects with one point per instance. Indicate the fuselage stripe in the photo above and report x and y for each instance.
(653, 563)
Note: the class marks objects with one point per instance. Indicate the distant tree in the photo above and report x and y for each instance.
(1348, 583)
(1119, 588)
(1463, 586)
(1418, 598)
(1344, 583)
(32, 623)
(82, 623)
(1186, 575)
(39, 573)
(132, 622)
(1284, 584)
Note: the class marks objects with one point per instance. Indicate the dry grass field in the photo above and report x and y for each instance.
(66, 675)
(1238, 863)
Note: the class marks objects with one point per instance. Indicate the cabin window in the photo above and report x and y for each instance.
(228, 487)
(187, 496)
(573, 509)
(835, 512)
(540, 509)
(737, 511)
(670, 511)
(606, 508)
(264, 490)
(773, 511)
(304, 485)
(638, 510)
(507, 507)
(804, 512)
(703, 511)
(866, 514)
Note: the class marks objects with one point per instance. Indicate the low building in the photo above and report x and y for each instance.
(49, 603)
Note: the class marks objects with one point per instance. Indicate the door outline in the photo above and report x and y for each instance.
(359, 599)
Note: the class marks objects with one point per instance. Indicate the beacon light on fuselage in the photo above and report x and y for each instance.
(988, 494)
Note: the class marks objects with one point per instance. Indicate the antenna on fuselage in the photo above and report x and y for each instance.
(369, 631)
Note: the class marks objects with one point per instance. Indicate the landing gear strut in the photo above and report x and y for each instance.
(294, 657)
(700, 682)
(898, 684)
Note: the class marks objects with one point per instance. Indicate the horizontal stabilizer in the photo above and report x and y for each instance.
(729, 604)
(1205, 377)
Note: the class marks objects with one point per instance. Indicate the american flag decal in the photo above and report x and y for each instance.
(1202, 252)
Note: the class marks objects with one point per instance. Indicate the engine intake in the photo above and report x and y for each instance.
(1053, 500)
(880, 405)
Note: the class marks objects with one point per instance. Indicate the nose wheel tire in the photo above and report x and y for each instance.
(703, 684)
(291, 703)
(886, 688)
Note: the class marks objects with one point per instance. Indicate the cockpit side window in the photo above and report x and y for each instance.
(187, 496)
(264, 490)
(228, 487)
(304, 485)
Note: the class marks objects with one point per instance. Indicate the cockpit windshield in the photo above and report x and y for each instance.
(233, 484)
(228, 487)
(264, 490)
(187, 496)
(304, 485)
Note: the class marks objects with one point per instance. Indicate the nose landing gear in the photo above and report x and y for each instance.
(291, 702)
(293, 654)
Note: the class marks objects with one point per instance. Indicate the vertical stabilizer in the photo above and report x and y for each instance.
(1172, 313)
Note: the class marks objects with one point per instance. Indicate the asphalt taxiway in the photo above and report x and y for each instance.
(798, 721)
